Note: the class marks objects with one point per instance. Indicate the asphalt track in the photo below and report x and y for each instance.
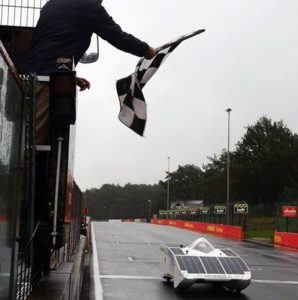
(128, 259)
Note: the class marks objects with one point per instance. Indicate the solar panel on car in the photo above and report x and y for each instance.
(228, 252)
(176, 250)
(191, 264)
(233, 265)
(212, 265)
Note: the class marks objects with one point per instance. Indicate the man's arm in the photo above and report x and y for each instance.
(107, 29)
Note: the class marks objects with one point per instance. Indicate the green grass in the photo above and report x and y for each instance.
(260, 227)
(259, 233)
(261, 224)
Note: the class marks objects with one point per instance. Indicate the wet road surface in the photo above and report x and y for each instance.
(128, 258)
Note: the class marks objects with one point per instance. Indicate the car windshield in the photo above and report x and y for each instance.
(203, 246)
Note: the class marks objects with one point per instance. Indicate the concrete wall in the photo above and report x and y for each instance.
(228, 231)
(65, 282)
(286, 239)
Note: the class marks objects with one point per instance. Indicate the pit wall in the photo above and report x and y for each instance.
(65, 282)
(286, 239)
(229, 231)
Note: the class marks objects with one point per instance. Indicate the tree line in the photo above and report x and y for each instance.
(263, 170)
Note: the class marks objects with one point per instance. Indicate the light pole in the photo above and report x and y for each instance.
(228, 110)
(168, 189)
(149, 213)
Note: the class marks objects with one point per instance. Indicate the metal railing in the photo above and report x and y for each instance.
(20, 13)
(24, 276)
(36, 255)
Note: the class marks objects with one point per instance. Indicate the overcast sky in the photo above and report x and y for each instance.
(247, 60)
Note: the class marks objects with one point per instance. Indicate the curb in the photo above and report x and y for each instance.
(96, 282)
(268, 244)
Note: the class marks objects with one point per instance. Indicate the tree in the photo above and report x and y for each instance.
(265, 161)
(215, 179)
(185, 183)
(263, 170)
(130, 201)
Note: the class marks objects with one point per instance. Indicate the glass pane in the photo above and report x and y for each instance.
(10, 128)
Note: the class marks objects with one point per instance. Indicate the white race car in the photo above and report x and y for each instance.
(201, 262)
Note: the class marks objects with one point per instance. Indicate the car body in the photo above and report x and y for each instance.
(201, 262)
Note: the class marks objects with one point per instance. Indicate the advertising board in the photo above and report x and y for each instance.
(290, 211)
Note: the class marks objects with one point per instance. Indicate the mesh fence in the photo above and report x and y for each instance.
(258, 217)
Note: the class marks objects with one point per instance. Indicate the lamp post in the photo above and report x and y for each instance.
(168, 189)
(149, 213)
(104, 213)
(228, 110)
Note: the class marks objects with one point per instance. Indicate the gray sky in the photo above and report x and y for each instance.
(246, 60)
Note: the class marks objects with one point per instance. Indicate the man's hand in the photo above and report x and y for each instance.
(151, 52)
(83, 83)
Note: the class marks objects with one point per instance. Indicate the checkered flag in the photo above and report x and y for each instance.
(133, 112)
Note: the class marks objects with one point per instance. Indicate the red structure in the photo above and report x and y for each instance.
(229, 231)
(286, 239)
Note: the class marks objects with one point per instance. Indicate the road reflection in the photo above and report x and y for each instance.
(204, 291)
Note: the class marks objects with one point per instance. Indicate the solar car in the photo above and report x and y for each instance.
(200, 262)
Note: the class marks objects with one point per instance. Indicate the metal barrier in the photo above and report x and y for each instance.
(36, 256)
(27, 274)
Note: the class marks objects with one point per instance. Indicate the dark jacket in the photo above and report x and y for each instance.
(64, 29)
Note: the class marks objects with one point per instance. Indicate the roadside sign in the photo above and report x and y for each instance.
(240, 208)
(205, 210)
(290, 211)
(193, 211)
(162, 212)
(220, 210)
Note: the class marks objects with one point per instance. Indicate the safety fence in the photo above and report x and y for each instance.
(280, 216)
(236, 214)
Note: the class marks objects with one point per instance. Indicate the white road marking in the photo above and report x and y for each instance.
(97, 282)
(132, 277)
(274, 281)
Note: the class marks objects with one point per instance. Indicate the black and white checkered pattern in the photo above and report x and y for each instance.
(133, 112)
